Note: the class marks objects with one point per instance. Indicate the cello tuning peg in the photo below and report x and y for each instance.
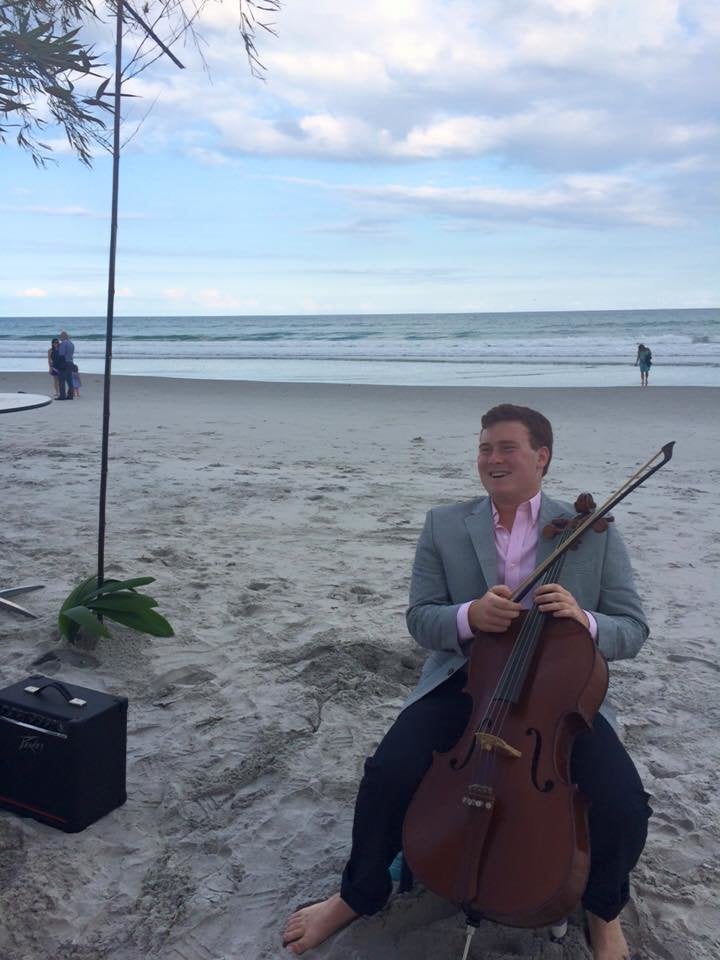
(585, 503)
(555, 527)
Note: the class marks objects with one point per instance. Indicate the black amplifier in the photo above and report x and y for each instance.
(62, 752)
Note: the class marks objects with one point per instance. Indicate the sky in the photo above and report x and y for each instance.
(400, 156)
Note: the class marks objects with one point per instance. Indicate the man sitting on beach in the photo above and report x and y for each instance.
(469, 559)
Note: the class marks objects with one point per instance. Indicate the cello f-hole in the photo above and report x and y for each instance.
(486, 725)
(549, 784)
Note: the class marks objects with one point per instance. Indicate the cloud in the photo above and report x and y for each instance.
(68, 210)
(175, 293)
(215, 299)
(208, 158)
(558, 92)
(592, 200)
(541, 91)
(636, 197)
(32, 293)
(209, 298)
(372, 227)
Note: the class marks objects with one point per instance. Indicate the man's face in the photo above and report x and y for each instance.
(509, 468)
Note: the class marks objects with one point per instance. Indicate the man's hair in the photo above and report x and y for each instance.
(538, 426)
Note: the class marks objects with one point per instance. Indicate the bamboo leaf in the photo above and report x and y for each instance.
(101, 89)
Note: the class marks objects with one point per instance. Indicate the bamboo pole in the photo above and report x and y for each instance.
(110, 295)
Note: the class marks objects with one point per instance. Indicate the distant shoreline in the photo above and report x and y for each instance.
(34, 382)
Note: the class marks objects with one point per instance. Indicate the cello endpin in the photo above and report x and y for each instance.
(469, 931)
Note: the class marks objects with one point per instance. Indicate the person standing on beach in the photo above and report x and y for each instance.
(66, 352)
(644, 360)
(469, 558)
(54, 362)
(76, 381)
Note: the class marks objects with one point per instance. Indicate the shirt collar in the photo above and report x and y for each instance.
(531, 507)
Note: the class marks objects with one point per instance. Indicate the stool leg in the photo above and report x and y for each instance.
(13, 592)
(16, 608)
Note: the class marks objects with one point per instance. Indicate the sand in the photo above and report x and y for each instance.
(280, 522)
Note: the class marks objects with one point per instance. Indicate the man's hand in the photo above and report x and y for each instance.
(493, 612)
(556, 600)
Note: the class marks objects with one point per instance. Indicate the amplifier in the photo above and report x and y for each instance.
(62, 752)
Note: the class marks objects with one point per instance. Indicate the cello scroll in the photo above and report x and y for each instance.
(584, 506)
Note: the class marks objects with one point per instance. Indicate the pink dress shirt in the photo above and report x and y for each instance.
(515, 550)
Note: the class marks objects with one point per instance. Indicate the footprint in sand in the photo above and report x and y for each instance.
(679, 658)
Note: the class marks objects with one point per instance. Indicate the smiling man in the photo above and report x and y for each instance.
(469, 559)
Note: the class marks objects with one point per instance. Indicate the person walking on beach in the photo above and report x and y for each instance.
(66, 352)
(469, 558)
(54, 361)
(644, 360)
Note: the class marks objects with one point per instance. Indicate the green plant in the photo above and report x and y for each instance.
(116, 600)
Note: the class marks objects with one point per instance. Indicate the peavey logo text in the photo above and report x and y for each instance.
(31, 744)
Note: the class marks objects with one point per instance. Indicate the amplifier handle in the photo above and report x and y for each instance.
(73, 701)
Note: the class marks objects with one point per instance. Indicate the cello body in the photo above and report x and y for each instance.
(496, 826)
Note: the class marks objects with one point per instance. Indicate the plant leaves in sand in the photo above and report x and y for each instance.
(116, 600)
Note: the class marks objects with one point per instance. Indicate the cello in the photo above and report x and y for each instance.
(496, 825)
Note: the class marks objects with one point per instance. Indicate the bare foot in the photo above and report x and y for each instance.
(607, 939)
(311, 926)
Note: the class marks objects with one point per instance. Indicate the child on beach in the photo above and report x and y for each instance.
(76, 381)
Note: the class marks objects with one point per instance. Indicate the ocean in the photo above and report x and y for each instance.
(573, 349)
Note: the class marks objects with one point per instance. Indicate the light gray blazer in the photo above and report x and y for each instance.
(455, 561)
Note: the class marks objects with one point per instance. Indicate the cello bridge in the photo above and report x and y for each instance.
(488, 741)
(478, 795)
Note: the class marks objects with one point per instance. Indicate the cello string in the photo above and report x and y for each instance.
(526, 641)
(523, 642)
(523, 647)
(526, 649)
(499, 709)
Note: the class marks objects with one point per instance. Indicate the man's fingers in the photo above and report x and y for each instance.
(500, 590)
(504, 613)
(493, 612)
(503, 604)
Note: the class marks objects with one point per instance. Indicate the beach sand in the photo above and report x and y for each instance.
(280, 521)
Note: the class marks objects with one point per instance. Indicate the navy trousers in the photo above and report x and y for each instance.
(66, 383)
(600, 765)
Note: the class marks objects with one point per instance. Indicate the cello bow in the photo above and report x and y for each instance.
(639, 477)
